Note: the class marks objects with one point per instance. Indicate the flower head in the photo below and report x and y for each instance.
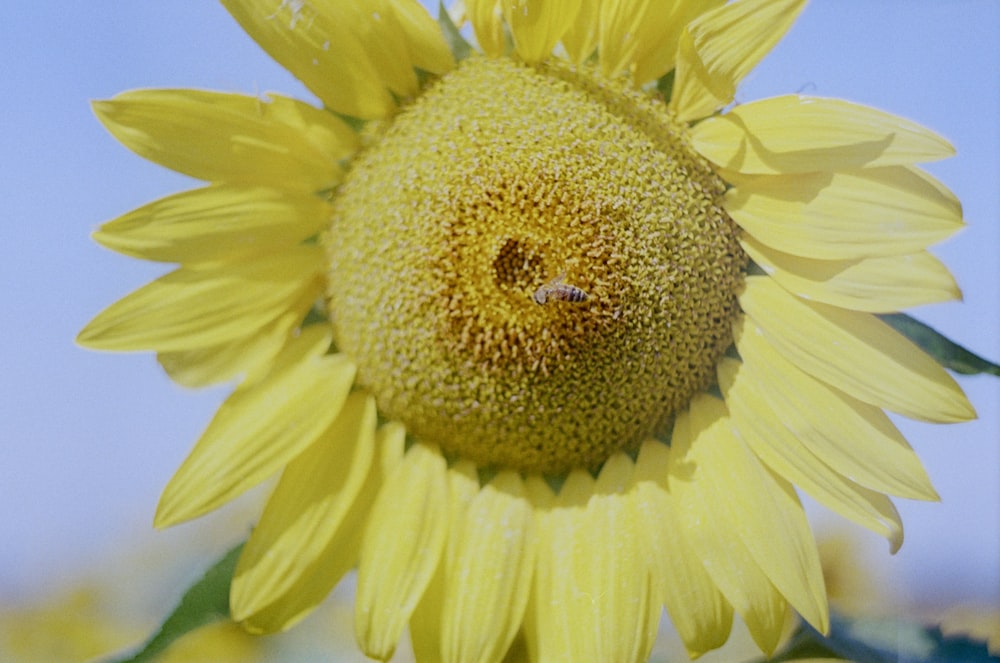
(541, 338)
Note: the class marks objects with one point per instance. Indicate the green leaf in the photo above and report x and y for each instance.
(949, 354)
(665, 85)
(456, 42)
(881, 640)
(204, 602)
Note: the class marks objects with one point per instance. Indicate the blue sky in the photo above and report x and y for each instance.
(90, 439)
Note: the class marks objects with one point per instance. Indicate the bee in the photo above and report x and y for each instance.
(557, 290)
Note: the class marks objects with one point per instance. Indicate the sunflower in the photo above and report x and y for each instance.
(542, 335)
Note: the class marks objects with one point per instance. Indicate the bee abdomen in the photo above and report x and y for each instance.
(556, 290)
(569, 293)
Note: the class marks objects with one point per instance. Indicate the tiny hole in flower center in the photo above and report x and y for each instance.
(517, 266)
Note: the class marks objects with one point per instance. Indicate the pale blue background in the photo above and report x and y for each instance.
(90, 439)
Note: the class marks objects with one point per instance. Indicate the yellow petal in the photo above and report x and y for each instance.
(845, 216)
(594, 599)
(795, 134)
(219, 222)
(539, 637)
(375, 24)
(260, 428)
(707, 526)
(340, 555)
(720, 47)
(489, 578)
(856, 353)
(391, 444)
(622, 30)
(538, 26)
(778, 447)
(249, 358)
(425, 44)
(627, 608)
(486, 17)
(876, 285)
(550, 626)
(319, 44)
(659, 38)
(759, 507)
(306, 511)
(620, 23)
(273, 141)
(198, 306)
(580, 39)
(702, 617)
(854, 438)
(426, 624)
(402, 547)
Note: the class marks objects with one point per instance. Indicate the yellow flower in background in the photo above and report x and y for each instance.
(84, 624)
(543, 338)
(66, 628)
(981, 622)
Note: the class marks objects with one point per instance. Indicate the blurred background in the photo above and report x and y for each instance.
(90, 439)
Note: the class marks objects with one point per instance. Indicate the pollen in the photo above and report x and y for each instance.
(503, 178)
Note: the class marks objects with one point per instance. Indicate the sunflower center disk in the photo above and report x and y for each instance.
(531, 269)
